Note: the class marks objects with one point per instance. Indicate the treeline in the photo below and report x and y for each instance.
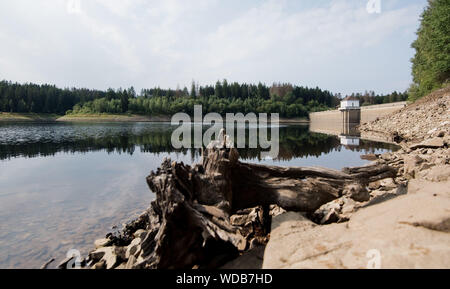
(286, 99)
(370, 98)
(25, 98)
(431, 63)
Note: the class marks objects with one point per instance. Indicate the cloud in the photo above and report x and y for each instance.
(73, 7)
(118, 43)
(272, 30)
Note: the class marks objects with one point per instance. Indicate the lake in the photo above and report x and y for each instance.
(63, 185)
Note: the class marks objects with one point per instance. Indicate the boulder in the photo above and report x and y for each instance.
(410, 231)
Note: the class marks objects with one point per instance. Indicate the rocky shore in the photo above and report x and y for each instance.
(221, 213)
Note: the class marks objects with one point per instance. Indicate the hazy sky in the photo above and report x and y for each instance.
(336, 45)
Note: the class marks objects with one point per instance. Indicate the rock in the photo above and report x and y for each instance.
(339, 210)
(386, 156)
(439, 173)
(133, 248)
(379, 196)
(407, 232)
(436, 142)
(388, 184)
(412, 163)
(110, 255)
(330, 214)
(357, 192)
(100, 243)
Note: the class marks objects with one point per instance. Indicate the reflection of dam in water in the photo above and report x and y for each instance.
(348, 133)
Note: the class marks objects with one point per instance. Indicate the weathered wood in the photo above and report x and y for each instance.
(211, 212)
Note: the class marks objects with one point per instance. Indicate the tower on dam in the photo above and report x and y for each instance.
(351, 110)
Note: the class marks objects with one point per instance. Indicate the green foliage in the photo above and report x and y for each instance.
(287, 100)
(431, 63)
(223, 98)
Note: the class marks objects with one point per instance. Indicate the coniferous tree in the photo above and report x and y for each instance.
(431, 63)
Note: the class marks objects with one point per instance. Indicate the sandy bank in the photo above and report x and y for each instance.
(27, 117)
(112, 118)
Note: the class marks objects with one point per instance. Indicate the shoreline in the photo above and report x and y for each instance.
(30, 118)
(7, 117)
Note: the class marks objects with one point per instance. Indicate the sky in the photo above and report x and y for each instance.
(343, 46)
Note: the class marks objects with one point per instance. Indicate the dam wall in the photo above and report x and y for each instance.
(368, 113)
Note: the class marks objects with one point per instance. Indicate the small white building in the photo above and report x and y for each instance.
(350, 102)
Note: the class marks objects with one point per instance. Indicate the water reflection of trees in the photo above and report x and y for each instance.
(295, 142)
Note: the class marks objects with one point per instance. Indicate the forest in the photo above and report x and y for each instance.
(286, 99)
(431, 63)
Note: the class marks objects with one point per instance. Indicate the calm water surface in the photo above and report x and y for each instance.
(64, 185)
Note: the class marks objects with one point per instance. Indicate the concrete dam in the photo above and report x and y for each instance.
(344, 122)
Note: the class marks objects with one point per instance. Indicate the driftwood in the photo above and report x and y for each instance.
(208, 214)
